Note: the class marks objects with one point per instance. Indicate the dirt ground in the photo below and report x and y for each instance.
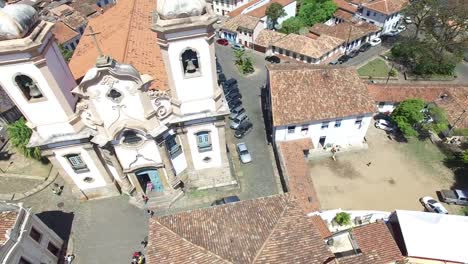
(399, 174)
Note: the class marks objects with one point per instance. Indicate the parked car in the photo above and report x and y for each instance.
(401, 28)
(237, 47)
(343, 59)
(385, 125)
(459, 197)
(243, 129)
(234, 103)
(408, 20)
(432, 205)
(231, 90)
(230, 82)
(353, 53)
(222, 42)
(375, 42)
(233, 96)
(392, 33)
(221, 78)
(365, 47)
(244, 153)
(226, 200)
(235, 123)
(236, 111)
(272, 59)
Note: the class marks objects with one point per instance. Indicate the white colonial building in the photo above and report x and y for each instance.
(114, 132)
(223, 7)
(331, 106)
(25, 239)
(383, 13)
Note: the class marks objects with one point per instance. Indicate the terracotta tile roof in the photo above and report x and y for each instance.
(297, 173)
(344, 30)
(84, 9)
(265, 230)
(387, 7)
(63, 33)
(321, 226)
(125, 34)
(303, 93)
(345, 15)
(315, 48)
(75, 21)
(62, 10)
(345, 5)
(376, 243)
(260, 11)
(455, 101)
(267, 37)
(241, 21)
(7, 221)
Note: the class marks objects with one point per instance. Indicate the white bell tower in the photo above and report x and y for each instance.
(33, 72)
(186, 37)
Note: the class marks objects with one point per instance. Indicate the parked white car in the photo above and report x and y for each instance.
(385, 125)
(432, 205)
(408, 20)
(375, 42)
(401, 28)
(244, 153)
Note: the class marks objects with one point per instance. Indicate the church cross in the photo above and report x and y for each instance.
(92, 34)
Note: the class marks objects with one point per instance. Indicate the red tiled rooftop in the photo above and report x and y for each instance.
(63, 33)
(260, 11)
(7, 222)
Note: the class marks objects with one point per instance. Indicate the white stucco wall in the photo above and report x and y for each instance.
(195, 93)
(214, 153)
(387, 22)
(385, 107)
(347, 134)
(37, 111)
(145, 155)
(78, 177)
(31, 250)
(106, 108)
(227, 5)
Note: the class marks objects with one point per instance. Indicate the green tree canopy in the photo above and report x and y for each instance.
(19, 134)
(67, 54)
(316, 11)
(407, 114)
(274, 12)
(292, 25)
(343, 218)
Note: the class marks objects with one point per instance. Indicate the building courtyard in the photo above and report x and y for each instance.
(388, 175)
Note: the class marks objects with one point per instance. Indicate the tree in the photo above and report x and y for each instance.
(19, 134)
(239, 56)
(316, 11)
(408, 114)
(420, 11)
(343, 218)
(67, 54)
(292, 25)
(439, 122)
(274, 12)
(247, 65)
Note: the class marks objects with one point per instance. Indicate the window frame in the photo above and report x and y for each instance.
(33, 229)
(27, 97)
(291, 129)
(325, 125)
(205, 144)
(80, 166)
(173, 149)
(54, 246)
(358, 120)
(198, 71)
(338, 123)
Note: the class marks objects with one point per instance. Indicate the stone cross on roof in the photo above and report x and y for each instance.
(92, 34)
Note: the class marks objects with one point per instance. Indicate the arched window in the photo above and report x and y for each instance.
(190, 63)
(203, 141)
(28, 87)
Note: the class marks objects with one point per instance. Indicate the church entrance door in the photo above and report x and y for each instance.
(150, 180)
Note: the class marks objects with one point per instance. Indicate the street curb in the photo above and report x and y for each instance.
(38, 188)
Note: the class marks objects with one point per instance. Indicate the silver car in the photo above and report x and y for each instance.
(236, 111)
(238, 120)
(244, 153)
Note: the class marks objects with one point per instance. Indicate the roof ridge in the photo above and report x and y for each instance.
(286, 208)
(128, 31)
(209, 252)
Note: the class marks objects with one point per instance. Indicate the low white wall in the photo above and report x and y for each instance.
(347, 134)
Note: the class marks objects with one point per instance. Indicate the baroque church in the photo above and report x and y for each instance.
(112, 132)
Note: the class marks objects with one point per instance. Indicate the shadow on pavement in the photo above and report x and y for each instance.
(58, 221)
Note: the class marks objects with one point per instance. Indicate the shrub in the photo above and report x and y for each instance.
(343, 218)
(461, 132)
(19, 134)
(407, 115)
(393, 73)
(464, 211)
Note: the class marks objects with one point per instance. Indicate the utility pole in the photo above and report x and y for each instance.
(455, 123)
(388, 75)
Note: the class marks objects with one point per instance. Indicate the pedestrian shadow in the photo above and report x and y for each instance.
(58, 221)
